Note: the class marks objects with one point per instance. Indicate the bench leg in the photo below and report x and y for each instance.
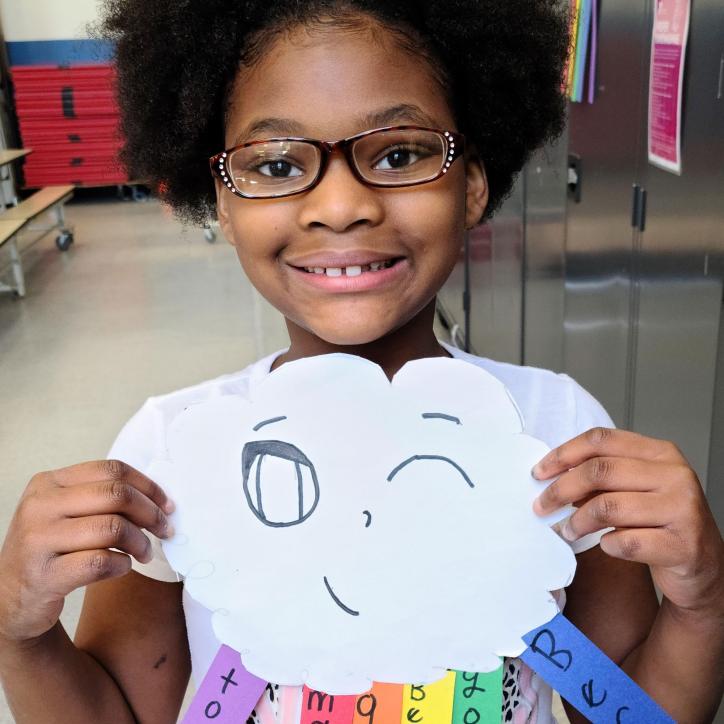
(59, 211)
(17, 268)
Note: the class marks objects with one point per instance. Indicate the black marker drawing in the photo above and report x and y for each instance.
(368, 515)
(589, 697)
(259, 426)
(555, 656)
(441, 416)
(415, 458)
(619, 712)
(346, 609)
(254, 453)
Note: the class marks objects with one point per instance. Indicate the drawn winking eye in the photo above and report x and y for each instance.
(280, 483)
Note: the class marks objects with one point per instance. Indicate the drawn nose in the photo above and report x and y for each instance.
(368, 518)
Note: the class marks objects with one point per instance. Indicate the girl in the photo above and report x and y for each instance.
(362, 139)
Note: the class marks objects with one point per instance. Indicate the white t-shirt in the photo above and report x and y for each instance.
(554, 409)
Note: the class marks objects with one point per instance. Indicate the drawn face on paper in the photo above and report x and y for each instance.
(345, 529)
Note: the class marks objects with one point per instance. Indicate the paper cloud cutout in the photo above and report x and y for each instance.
(347, 529)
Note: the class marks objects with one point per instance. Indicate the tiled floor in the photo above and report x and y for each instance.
(137, 307)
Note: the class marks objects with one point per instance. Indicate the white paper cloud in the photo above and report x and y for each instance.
(345, 529)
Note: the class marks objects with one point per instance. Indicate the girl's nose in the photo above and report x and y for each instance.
(340, 201)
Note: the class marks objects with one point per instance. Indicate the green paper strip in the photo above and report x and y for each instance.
(478, 697)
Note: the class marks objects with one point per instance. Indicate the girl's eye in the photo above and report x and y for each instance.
(401, 157)
(280, 483)
(279, 169)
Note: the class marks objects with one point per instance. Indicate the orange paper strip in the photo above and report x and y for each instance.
(382, 704)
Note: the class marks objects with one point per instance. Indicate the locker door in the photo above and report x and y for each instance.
(679, 282)
(606, 139)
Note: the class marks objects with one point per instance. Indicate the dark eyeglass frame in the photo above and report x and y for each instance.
(454, 149)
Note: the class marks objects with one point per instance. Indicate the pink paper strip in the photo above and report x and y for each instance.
(228, 693)
(326, 709)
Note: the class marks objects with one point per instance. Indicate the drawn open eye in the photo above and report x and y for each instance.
(280, 483)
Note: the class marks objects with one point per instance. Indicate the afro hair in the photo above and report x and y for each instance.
(177, 60)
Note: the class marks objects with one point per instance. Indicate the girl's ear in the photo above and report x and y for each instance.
(476, 193)
(222, 212)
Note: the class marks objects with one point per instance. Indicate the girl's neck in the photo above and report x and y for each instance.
(415, 340)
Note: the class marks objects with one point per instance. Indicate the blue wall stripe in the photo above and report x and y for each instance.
(58, 52)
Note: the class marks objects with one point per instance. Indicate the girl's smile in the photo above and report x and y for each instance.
(347, 263)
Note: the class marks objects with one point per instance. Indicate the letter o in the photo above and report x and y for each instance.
(209, 708)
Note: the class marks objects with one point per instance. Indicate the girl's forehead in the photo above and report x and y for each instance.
(331, 84)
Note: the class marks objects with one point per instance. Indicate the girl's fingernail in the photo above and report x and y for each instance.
(537, 507)
(169, 532)
(169, 506)
(567, 532)
(536, 472)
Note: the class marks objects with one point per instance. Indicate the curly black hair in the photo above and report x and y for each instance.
(177, 59)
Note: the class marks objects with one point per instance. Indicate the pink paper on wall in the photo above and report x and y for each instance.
(666, 82)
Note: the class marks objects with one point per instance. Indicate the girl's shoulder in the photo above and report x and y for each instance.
(141, 438)
(554, 407)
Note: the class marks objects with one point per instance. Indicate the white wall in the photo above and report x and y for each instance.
(24, 20)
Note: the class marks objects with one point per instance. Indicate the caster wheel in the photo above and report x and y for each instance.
(64, 240)
(209, 235)
(139, 194)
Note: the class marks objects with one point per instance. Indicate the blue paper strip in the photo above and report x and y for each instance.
(586, 678)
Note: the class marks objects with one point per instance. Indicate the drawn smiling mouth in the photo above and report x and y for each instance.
(346, 609)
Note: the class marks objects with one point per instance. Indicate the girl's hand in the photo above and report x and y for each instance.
(646, 490)
(60, 536)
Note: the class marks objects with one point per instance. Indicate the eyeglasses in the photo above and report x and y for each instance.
(385, 157)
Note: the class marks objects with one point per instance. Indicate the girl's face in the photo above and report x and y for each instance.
(327, 85)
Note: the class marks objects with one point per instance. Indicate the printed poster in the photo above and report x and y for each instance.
(666, 82)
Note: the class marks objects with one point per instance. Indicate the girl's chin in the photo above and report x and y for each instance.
(346, 337)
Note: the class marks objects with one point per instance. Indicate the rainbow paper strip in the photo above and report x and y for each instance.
(558, 652)
(320, 708)
(584, 27)
(228, 693)
(478, 697)
(429, 702)
(586, 678)
(382, 704)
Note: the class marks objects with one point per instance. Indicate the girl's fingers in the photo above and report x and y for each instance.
(112, 497)
(81, 568)
(112, 471)
(608, 474)
(604, 442)
(653, 546)
(99, 532)
(619, 510)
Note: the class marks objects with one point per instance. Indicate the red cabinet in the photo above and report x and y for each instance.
(69, 116)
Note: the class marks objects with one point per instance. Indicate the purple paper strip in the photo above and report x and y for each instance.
(228, 693)
(593, 62)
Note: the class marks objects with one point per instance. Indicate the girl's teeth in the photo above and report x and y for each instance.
(350, 271)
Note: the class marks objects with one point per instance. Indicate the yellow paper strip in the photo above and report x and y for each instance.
(429, 703)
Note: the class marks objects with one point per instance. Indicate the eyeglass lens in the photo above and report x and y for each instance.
(396, 157)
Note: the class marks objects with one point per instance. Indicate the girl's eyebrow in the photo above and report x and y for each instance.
(276, 126)
(259, 425)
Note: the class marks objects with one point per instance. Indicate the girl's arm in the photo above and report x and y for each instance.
(645, 489)
(77, 527)
(130, 662)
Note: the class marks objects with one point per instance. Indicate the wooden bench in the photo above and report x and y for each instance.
(20, 217)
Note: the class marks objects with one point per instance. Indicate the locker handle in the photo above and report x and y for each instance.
(575, 177)
(638, 213)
